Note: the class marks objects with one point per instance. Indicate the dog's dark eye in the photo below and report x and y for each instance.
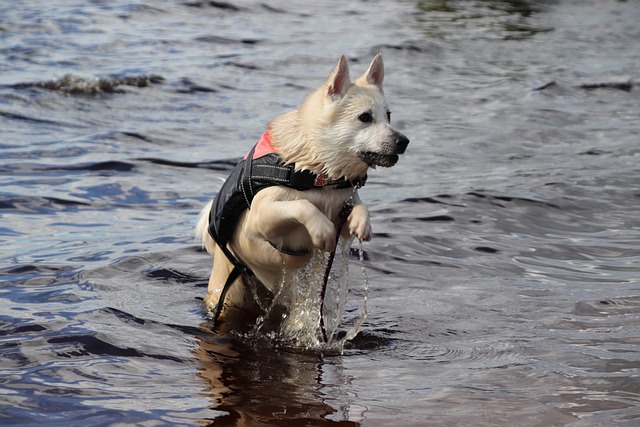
(389, 116)
(365, 117)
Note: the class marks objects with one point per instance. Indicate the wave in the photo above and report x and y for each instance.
(625, 86)
(220, 165)
(229, 7)
(38, 204)
(22, 117)
(75, 85)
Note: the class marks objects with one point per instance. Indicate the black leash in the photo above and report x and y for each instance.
(344, 214)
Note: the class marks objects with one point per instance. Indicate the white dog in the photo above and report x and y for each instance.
(283, 201)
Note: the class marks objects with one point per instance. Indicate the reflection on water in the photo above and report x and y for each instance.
(249, 385)
(503, 268)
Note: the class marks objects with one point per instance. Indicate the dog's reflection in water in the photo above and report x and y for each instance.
(256, 384)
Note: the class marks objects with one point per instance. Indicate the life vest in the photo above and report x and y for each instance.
(261, 168)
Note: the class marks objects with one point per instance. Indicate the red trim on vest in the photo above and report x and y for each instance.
(263, 147)
(321, 181)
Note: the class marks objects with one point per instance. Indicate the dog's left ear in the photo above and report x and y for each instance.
(375, 74)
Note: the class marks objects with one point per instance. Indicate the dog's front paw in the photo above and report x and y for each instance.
(359, 224)
(323, 234)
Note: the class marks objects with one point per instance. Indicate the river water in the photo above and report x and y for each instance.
(504, 273)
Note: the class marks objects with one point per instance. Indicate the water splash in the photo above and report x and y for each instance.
(299, 321)
(364, 311)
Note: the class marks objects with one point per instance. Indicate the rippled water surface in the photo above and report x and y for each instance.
(504, 269)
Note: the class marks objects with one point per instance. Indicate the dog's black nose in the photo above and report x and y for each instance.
(401, 142)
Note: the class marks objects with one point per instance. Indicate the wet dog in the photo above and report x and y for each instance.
(283, 202)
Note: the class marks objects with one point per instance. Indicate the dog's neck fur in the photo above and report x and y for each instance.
(304, 147)
(296, 149)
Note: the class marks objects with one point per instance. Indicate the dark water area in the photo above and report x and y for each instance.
(504, 269)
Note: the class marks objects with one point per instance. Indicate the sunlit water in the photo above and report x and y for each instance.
(504, 278)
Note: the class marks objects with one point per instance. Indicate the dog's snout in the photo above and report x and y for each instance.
(401, 142)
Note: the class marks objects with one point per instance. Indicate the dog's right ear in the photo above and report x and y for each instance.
(338, 82)
(375, 73)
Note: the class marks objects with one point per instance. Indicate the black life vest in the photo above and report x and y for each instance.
(262, 167)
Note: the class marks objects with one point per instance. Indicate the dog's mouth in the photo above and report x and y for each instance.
(372, 158)
(398, 144)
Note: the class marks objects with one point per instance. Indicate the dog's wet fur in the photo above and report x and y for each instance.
(341, 130)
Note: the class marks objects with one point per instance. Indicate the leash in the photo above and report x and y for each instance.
(344, 214)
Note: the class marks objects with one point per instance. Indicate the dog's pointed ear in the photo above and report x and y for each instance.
(339, 80)
(375, 74)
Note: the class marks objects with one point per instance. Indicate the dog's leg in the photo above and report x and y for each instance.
(298, 223)
(221, 270)
(359, 223)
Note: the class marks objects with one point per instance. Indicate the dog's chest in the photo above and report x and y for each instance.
(328, 200)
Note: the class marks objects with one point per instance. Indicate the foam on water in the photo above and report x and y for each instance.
(75, 85)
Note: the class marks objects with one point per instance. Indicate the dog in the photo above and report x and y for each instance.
(283, 202)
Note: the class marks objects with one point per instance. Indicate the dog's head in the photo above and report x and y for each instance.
(349, 123)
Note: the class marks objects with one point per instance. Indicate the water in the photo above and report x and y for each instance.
(503, 271)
